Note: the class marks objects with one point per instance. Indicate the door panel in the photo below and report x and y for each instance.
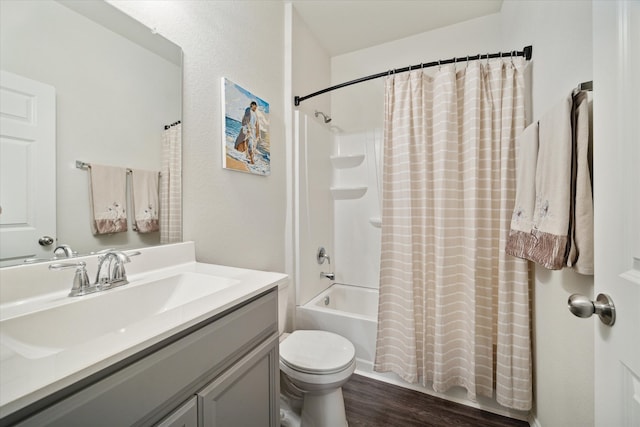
(617, 209)
(27, 168)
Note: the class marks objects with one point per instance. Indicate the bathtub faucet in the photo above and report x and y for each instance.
(330, 276)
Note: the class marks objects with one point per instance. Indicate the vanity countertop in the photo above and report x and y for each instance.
(30, 374)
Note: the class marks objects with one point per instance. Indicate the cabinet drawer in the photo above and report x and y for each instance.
(147, 390)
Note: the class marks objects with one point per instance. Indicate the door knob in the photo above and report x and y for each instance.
(45, 241)
(582, 306)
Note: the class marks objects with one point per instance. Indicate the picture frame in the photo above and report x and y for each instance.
(246, 142)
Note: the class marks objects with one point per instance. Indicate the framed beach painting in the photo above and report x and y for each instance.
(246, 144)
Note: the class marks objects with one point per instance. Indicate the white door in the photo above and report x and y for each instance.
(27, 168)
(617, 209)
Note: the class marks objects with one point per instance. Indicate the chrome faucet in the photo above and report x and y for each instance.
(111, 272)
(330, 276)
(64, 250)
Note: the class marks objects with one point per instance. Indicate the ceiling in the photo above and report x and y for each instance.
(343, 26)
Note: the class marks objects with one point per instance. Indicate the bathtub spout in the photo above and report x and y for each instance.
(330, 276)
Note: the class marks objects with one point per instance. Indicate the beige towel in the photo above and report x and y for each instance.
(519, 240)
(552, 213)
(553, 175)
(144, 191)
(580, 256)
(107, 196)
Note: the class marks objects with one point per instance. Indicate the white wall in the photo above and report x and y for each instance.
(234, 218)
(561, 35)
(360, 107)
(113, 98)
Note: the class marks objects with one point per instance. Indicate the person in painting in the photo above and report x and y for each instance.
(247, 139)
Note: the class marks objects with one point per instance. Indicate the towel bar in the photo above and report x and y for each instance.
(84, 165)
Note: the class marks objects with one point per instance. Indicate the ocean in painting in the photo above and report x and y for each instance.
(262, 155)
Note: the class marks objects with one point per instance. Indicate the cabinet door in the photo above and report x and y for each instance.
(184, 416)
(246, 394)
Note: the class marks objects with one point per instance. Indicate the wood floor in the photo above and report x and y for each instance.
(372, 403)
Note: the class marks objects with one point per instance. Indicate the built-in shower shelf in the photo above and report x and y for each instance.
(349, 161)
(376, 221)
(343, 193)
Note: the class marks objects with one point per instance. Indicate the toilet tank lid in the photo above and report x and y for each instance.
(316, 352)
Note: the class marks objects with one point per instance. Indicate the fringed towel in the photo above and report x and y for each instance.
(553, 159)
(107, 196)
(144, 191)
(520, 237)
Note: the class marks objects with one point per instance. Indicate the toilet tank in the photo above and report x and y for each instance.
(283, 302)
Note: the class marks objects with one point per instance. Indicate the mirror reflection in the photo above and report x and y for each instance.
(115, 85)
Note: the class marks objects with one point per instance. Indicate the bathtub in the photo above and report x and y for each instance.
(350, 311)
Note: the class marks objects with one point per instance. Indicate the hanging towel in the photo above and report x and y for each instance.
(519, 240)
(552, 212)
(144, 191)
(107, 196)
(555, 180)
(580, 256)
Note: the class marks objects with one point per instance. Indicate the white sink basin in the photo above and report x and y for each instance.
(51, 330)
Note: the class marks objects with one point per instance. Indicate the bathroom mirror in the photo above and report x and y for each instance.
(117, 84)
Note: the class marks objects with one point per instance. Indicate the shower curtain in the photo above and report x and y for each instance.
(454, 308)
(171, 185)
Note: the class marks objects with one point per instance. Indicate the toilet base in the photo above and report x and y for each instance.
(324, 409)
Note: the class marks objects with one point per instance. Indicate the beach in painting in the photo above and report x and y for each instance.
(237, 100)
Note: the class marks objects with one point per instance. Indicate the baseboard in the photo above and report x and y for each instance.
(533, 421)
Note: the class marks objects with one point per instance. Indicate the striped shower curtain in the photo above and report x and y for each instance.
(454, 308)
(171, 185)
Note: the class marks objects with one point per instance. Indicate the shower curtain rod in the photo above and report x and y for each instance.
(526, 52)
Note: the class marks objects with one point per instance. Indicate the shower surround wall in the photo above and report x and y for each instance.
(356, 189)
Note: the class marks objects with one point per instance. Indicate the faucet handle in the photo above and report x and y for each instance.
(81, 284)
(322, 255)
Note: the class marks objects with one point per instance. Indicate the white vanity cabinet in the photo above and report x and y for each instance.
(221, 372)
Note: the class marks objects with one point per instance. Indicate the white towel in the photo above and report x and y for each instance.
(144, 191)
(107, 197)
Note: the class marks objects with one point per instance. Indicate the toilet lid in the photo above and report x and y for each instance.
(316, 352)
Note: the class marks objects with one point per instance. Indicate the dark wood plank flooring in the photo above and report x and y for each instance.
(372, 403)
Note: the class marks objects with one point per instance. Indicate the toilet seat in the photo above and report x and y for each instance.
(317, 352)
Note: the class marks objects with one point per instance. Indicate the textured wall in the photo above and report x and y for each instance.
(234, 218)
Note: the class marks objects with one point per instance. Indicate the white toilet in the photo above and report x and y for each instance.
(316, 364)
